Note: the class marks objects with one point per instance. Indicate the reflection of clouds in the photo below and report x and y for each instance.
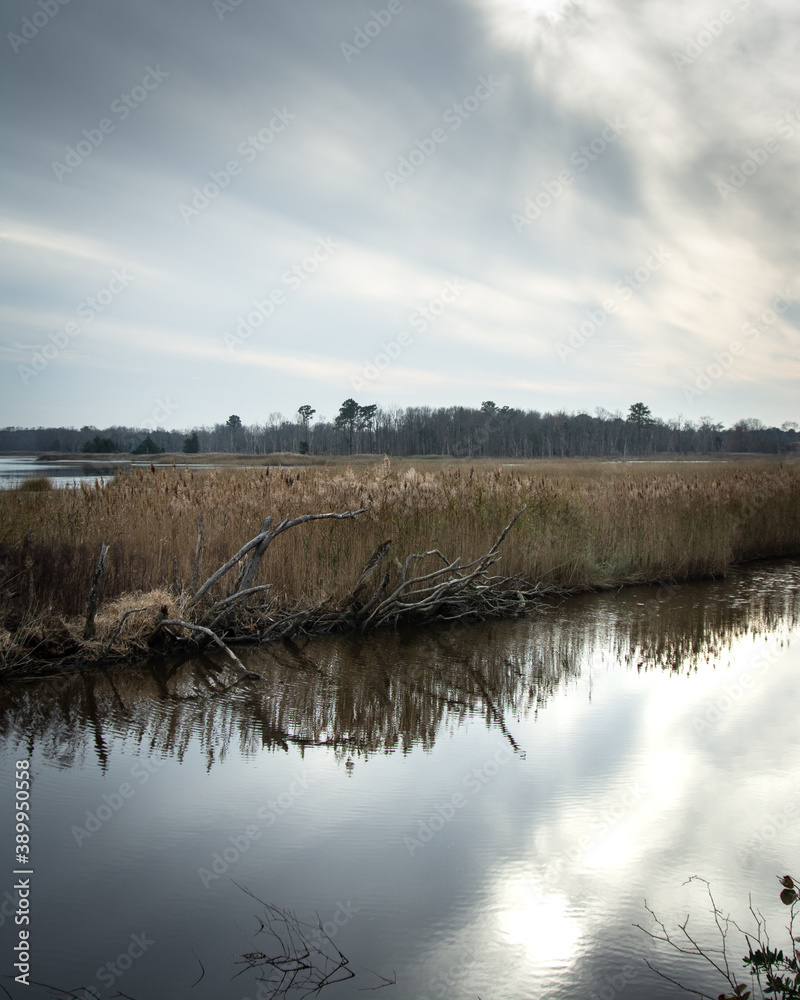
(517, 927)
(620, 799)
(576, 883)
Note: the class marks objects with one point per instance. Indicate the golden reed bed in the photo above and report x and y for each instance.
(586, 524)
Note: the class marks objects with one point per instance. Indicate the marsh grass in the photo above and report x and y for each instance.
(35, 484)
(587, 524)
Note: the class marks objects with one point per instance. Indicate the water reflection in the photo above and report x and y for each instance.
(481, 811)
(361, 696)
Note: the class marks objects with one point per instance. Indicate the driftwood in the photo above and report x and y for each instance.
(91, 608)
(212, 636)
(397, 596)
(388, 594)
(258, 546)
(110, 643)
(452, 591)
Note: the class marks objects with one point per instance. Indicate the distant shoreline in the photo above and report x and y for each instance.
(167, 459)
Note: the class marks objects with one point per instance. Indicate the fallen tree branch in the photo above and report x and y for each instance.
(110, 643)
(212, 636)
(453, 591)
(464, 591)
(260, 543)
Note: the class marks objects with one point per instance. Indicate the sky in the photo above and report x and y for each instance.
(232, 206)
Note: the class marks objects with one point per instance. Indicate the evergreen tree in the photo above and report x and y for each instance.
(99, 445)
(147, 447)
(233, 423)
(191, 445)
(347, 421)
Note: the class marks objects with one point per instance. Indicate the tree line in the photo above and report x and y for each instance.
(454, 431)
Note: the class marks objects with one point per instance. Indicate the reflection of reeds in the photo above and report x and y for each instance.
(586, 524)
(360, 696)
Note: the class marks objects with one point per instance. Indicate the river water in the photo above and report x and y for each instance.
(68, 472)
(16, 469)
(467, 813)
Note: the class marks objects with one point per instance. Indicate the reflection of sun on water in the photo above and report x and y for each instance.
(541, 924)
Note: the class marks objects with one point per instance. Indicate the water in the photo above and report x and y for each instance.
(14, 470)
(70, 472)
(469, 813)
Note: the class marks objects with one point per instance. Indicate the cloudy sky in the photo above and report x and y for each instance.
(236, 206)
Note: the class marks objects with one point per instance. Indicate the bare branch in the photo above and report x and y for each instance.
(130, 611)
(197, 552)
(214, 638)
(261, 542)
(91, 607)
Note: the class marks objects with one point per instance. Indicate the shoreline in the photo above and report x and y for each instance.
(113, 572)
(324, 625)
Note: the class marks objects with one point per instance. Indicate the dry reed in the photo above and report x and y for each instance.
(587, 524)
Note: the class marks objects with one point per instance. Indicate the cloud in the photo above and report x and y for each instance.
(563, 71)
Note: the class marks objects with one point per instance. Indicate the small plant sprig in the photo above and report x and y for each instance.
(775, 973)
(781, 971)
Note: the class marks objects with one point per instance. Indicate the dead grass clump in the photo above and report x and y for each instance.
(35, 484)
